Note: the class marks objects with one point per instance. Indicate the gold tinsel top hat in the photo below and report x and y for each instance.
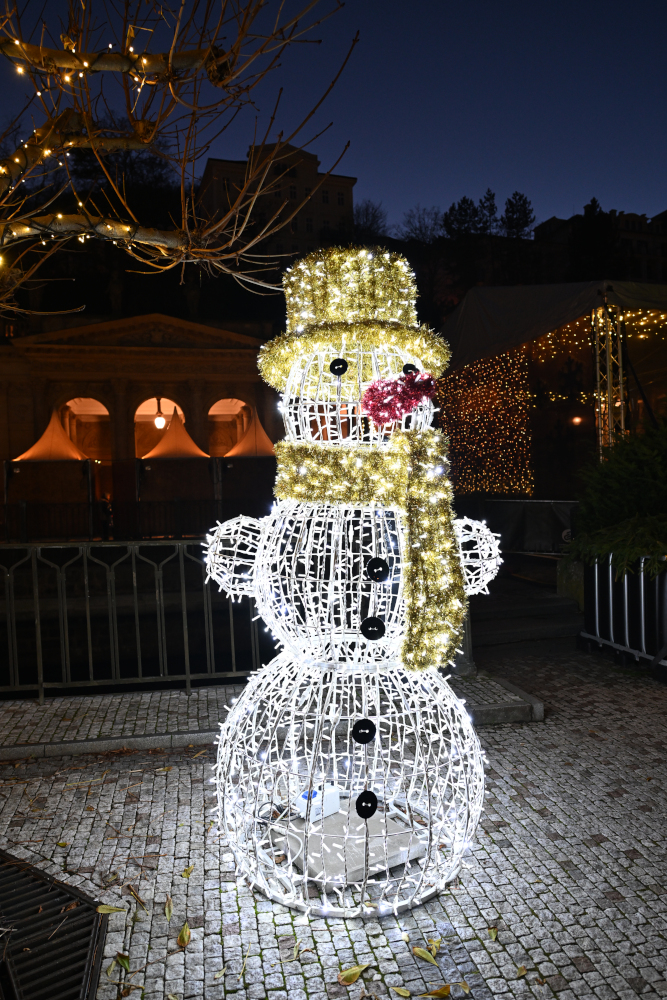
(349, 286)
(341, 298)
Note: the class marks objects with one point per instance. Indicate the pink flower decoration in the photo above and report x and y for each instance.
(389, 399)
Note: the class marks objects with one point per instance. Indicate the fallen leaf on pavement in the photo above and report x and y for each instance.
(521, 971)
(103, 908)
(493, 933)
(183, 939)
(434, 945)
(123, 960)
(464, 986)
(168, 908)
(187, 872)
(62, 843)
(542, 982)
(220, 974)
(405, 936)
(426, 955)
(401, 990)
(442, 991)
(348, 976)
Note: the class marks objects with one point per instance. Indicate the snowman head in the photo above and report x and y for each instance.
(351, 321)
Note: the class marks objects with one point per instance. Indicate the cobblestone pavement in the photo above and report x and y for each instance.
(147, 713)
(569, 867)
(97, 716)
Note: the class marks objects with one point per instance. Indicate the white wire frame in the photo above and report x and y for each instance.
(318, 406)
(231, 551)
(311, 584)
(479, 549)
(291, 730)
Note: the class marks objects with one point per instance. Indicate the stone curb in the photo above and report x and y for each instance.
(532, 710)
(66, 748)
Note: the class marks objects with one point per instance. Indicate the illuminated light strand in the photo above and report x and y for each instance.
(485, 413)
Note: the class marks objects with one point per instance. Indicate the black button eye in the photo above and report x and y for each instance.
(338, 367)
(366, 805)
(363, 731)
(378, 569)
(372, 628)
(410, 370)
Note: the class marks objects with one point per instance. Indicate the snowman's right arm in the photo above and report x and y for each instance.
(231, 550)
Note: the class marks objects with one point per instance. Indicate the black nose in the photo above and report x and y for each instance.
(372, 628)
(410, 369)
(366, 805)
(363, 731)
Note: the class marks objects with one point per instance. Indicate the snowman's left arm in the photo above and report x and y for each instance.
(480, 554)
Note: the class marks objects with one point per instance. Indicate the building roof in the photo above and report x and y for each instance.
(491, 321)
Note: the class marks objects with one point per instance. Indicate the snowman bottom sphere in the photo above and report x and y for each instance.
(348, 790)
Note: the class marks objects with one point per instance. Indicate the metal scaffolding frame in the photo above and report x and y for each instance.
(609, 378)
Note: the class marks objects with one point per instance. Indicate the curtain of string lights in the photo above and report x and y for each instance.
(485, 411)
(347, 783)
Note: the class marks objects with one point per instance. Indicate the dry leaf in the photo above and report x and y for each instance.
(464, 986)
(198, 754)
(401, 990)
(183, 939)
(434, 945)
(521, 971)
(426, 955)
(62, 843)
(542, 982)
(112, 966)
(442, 991)
(171, 996)
(160, 769)
(220, 974)
(405, 936)
(187, 872)
(103, 908)
(493, 933)
(123, 961)
(168, 908)
(349, 976)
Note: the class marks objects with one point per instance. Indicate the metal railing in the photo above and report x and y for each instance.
(628, 615)
(85, 615)
(32, 522)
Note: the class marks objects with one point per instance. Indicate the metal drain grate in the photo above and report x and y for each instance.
(52, 936)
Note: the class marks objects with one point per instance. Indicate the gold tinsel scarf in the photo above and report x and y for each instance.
(410, 475)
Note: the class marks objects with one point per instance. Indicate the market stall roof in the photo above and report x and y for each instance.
(53, 446)
(255, 441)
(493, 320)
(176, 442)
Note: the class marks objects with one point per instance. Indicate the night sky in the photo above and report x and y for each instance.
(562, 101)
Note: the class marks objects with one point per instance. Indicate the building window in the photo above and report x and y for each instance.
(292, 192)
(325, 197)
(277, 193)
(308, 192)
(341, 198)
(341, 225)
(309, 225)
(325, 224)
(292, 172)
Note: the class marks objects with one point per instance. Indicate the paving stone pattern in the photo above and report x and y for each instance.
(147, 713)
(98, 716)
(569, 866)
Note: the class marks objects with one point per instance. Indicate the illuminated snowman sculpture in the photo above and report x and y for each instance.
(349, 776)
